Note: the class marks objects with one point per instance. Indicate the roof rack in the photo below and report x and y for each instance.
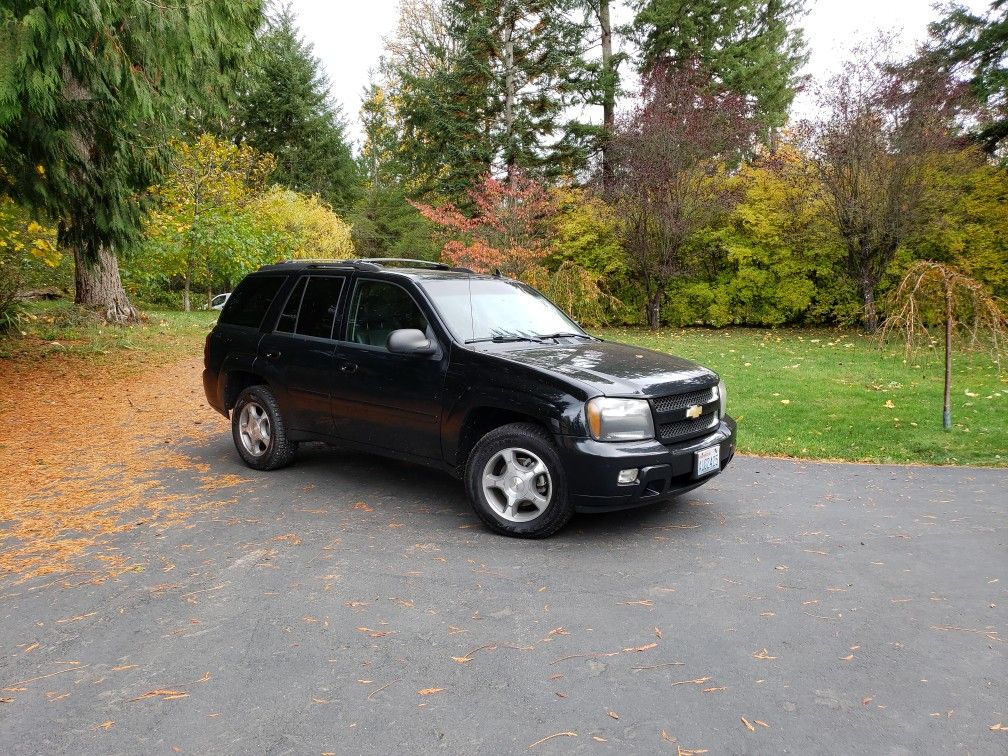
(403, 261)
(371, 264)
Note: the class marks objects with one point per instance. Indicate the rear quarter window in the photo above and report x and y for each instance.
(248, 303)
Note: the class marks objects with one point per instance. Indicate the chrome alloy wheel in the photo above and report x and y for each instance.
(517, 485)
(254, 429)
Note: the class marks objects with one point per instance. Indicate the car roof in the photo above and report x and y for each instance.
(417, 269)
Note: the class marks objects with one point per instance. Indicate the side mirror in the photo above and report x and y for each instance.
(409, 341)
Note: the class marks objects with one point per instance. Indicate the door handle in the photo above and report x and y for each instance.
(273, 356)
(348, 367)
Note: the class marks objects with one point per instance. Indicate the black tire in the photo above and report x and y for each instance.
(276, 450)
(522, 436)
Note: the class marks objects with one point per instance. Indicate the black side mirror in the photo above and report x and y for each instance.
(410, 341)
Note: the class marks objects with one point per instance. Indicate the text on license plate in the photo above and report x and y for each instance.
(708, 460)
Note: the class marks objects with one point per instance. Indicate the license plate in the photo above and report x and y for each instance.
(708, 460)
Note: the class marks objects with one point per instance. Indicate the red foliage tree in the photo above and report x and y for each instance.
(506, 229)
(671, 154)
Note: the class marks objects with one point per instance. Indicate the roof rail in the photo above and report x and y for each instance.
(384, 262)
(369, 264)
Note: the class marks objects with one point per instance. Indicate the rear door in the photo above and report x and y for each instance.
(391, 401)
(298, 355)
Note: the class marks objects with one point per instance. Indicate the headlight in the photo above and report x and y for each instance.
(619, 419)
(723, 399)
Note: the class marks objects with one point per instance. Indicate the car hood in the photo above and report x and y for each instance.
(615, 369)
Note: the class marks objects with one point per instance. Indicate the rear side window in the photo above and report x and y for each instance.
(288, 318)
(248, 304)
(318, 307)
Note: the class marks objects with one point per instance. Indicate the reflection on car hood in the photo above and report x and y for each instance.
(616, 369)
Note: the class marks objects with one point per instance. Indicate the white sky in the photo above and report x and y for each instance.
(348, 36)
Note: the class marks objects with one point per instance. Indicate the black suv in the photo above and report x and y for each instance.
(478, 375)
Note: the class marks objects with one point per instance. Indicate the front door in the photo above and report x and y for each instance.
(298, 356)
(386, 400)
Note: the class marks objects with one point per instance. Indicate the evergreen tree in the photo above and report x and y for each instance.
(486, 84)
(976, 47)
(285, 110)
(749, 46)
(89, 94)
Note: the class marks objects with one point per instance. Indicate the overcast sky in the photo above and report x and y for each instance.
(348, 36)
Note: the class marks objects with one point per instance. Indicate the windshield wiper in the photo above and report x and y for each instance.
(505, 339)
(563, 334)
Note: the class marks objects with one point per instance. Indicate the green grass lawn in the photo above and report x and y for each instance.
(835, 394)
(48, 329)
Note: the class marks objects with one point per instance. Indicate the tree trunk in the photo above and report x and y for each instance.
(947, 409)
(509, 100)
(99, 287)
(870, 312)
(186, 288)
(654, 309)
(608, 95)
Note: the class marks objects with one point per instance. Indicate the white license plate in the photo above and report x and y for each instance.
(708, 460)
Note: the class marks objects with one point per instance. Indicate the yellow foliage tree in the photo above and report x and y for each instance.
(305, 226)
(211, 183)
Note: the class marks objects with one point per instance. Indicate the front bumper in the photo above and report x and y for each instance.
(665, 470)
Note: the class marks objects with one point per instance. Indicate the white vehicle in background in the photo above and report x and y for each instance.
(218, 302)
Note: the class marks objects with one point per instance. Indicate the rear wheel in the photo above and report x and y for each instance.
(516, 482)
(259, 431)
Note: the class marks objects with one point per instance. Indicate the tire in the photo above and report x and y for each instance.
(516, 482)
(259, 431)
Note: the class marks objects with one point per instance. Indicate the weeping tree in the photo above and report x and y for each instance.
(933, 291)
(89, 95)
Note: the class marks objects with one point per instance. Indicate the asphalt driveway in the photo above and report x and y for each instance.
(353, 605)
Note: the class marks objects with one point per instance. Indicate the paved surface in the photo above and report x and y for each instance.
(847, 608)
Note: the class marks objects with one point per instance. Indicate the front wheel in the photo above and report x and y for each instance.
(259, 431)
(516, 482)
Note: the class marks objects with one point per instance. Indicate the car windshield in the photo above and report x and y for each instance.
(488, 309)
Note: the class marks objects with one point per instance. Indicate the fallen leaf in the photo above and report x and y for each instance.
(761, 723)
(106, 725)
(360, 505)
(613, 714)
(554, 735)
(637, 649)
(429, 691)
(598, 739)
(697, 681)
(165, 695)
(998, 728)
(713, 690)
(748, 725)
(764, 655)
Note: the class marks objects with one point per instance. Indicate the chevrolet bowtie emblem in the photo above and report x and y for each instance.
(694, 412)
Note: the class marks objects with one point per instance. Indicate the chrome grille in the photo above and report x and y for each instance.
(675, 402)
(684, 429)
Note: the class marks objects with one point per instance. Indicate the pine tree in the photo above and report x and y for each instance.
(976, 47)
(89, 94)
(485, 84)
(749, 46)
(285, 110)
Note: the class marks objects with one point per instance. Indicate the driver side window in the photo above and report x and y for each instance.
(377, 309)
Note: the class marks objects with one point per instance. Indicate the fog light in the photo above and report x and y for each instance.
(626, 477)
